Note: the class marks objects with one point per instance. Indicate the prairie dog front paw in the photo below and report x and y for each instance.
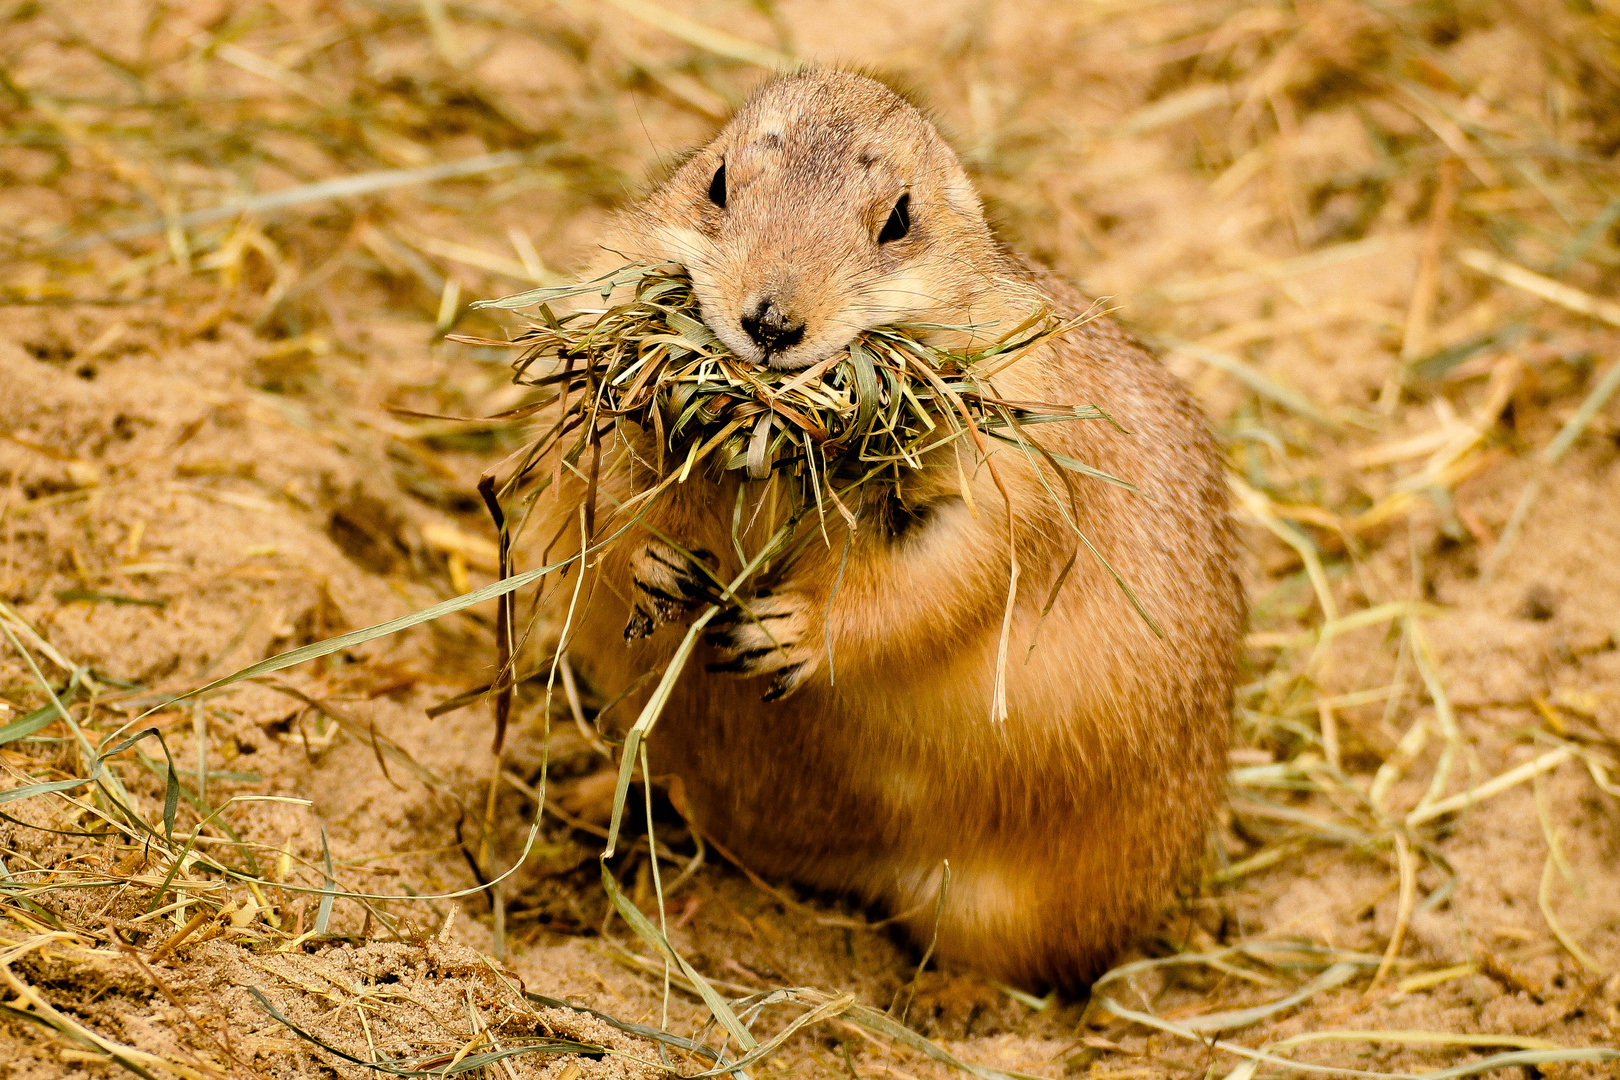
(771, 633)
(667, 586)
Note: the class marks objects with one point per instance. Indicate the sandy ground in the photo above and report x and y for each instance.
(197, 471)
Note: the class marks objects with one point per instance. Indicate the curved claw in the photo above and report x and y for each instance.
(770, 635)
(789, 680)
(667, 586)
(640, 625)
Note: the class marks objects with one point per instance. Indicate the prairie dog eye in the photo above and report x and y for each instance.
(899, 222)
(717, 186)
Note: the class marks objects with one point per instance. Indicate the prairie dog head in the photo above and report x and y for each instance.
(828, 205)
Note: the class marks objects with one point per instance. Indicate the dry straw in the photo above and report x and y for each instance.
(645, 374)
(1515, 266)
(869, 412)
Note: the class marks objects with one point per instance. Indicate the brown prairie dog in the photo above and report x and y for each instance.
(857, 752)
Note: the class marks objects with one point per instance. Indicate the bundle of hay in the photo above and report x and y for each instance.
(850, 425)
(863, 416)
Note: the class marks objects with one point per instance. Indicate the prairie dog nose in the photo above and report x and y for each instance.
(772, 328)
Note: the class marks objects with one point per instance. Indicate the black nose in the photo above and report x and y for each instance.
(772, 328)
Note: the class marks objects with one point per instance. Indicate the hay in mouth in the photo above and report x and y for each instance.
(866, 415)
(645, 372)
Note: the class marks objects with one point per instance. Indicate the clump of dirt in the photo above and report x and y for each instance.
(1376, 240)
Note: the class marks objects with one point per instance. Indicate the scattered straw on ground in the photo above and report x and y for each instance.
(1378, 240)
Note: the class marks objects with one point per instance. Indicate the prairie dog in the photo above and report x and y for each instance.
(852, 747)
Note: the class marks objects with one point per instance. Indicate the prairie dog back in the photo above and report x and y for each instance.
(840, 731)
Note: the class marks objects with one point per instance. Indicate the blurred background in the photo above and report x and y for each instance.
(1379, 240)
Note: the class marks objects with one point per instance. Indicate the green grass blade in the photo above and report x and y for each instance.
(649, 716)
(323, 914)
(24, 726)
(649, 933)
(1520, 1058)
(30, 790)
(883, 1024)
(318, 649)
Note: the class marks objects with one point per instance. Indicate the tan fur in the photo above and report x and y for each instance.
(1069, 823)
